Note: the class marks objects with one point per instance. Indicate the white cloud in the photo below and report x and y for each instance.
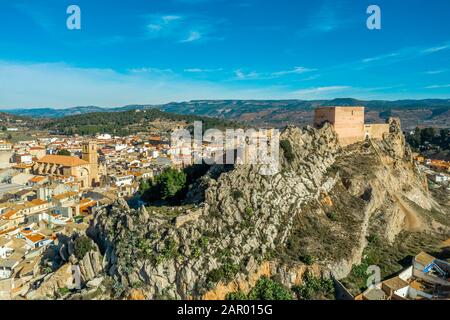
(320, 92)
(438, 86)
(58, 85)
(241, 75)
(403, 54)
(25, 85)
(296, 70)
(381, 57)
(329, 16)
(436, 49)
(193, 36)
(150, 70)
(200, 70)
(436, 71)
(181, 28)
(254, 75)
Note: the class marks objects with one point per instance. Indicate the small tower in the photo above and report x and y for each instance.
(90, 155)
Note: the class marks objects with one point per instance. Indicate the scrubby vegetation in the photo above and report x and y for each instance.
(265, 289)
(125, 122)
(287, 149)
(83, 245)
(165, 186)
(429, 139)
(314, 288)
(224, 273)
(172, 185)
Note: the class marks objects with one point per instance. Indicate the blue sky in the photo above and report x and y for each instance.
(149, 52)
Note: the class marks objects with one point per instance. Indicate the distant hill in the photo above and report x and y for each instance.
(59, 113)
(279, 113)
(126, 122)
(427, 112)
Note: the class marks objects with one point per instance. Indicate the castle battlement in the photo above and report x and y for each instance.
(349, 124)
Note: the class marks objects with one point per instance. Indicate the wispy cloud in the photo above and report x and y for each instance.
(151, 70)
(319, 91)
(60, 85)
(381, 57)
(436, 71)
(193, 36)
(241, 75)
(181, 28)
(436, 49)
(163, 25)
(438, 86)
(403, 54)
(296, 70)
(329, 16)
(38, 15)
(254, 75)
(200, 70)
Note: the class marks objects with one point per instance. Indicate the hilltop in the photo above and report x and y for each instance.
(318, 216)
(127, 122)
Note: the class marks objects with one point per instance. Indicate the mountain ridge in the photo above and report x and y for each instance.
(179, 107)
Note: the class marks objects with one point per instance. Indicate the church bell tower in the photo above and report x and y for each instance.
(90, 155)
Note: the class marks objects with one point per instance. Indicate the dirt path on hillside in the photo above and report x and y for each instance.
(413, 223)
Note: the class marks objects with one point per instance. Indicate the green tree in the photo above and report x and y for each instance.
(415, 139)
(166, 186)
(314, 288)
(269, 289)
(83, 245)
(144, 186)
(287, 149)
(171, 181)
(427, 134)
(64, 152)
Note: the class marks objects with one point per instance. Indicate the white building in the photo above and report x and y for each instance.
(120, 181)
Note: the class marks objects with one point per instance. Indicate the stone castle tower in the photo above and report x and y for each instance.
(90, 155)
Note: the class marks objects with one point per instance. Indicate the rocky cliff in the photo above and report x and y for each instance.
(314, 215)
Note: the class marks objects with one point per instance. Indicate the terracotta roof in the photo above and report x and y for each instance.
(65, 195)
(9, 230)
(38, 202)
(9, 214)
(86, 201)
(424, 258)
(67, 161)
(35, 237)
(37, 179)
(395, 283)
(22, 166)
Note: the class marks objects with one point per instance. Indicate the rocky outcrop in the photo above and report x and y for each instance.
(245, 216)
(74, 274)
(51, 286)
(318, 209)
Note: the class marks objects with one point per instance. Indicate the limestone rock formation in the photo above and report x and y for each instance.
(314, 214)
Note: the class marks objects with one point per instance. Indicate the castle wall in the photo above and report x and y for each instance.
(376, 131)
(348, 122)
(322, 115)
